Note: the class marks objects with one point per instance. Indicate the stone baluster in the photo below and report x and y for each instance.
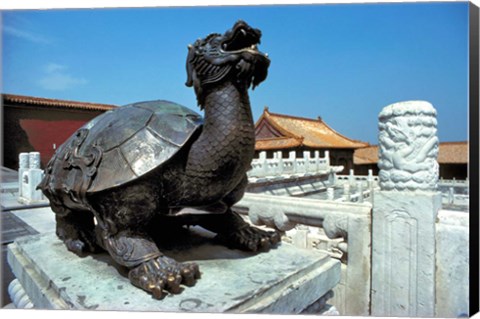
(351, 177)
(262, 159)
(18, 295)
(451, 195)
(404, 212)
(292, 157)
(318, 164)
(360, 192)
(300, 237)
(23, 166)
(280, 163)
(327, 157)
(330, 193)
(272, 165)
(306, 159)
(346, 191)
(370, 178)
(34, 160)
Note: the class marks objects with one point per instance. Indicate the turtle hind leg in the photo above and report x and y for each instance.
(77, 230)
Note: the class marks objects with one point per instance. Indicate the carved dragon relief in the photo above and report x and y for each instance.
(408, 147)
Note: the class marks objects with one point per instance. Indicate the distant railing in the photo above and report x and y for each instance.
(278, 166)
(455, 194)
(353, 178)
(357, 188)
(454, 182)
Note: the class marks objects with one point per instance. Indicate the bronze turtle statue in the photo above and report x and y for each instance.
(117, 181)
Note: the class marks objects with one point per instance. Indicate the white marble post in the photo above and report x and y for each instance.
(23, 165)
(346, 191)
(30, 176)
(262, 158)
(317, 161)
(279, 163)
(34, 160)
(404, 212)
(360, 191)
(330, 193)
(300, 237)
(370, 178)
(451, 195)
(292, 157)
(306, 159)
(351, 177)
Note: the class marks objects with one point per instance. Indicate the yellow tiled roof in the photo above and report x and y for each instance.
(314, 133)
(453, 153)
(448, 153)
(277, 143)
(367, 155)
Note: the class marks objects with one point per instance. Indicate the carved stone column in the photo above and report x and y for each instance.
(404, 212)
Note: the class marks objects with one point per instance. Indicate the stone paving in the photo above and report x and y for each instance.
(17, 223)
(40, 219)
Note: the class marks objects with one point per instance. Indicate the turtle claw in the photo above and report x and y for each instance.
(162, 275)
(251, 239)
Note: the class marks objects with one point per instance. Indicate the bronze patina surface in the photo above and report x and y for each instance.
(135, 170)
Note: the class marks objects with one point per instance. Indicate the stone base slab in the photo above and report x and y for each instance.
(285, 280)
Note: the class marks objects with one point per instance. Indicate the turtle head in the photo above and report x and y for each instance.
(232, 56)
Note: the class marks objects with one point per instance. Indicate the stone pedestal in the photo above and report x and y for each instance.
(403, 253)
(285, 280)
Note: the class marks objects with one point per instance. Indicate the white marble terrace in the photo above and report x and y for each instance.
(393, 236)
(402, 253)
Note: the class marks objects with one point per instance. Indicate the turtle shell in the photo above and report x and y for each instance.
(133, 140)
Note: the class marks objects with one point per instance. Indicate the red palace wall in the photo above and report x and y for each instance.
(43, 135)
(31, 128)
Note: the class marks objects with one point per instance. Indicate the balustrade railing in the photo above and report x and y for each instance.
(355, 178)
(454, 182)
(350, 222)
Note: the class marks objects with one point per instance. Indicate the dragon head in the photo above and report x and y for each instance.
(232, 56)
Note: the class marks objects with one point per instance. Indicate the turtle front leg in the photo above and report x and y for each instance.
(161, 274)
(149, 270)
(241, 235)
(233, 232)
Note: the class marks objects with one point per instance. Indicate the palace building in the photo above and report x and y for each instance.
(286, 133)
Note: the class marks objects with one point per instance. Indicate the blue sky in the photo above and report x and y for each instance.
(343, 62)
